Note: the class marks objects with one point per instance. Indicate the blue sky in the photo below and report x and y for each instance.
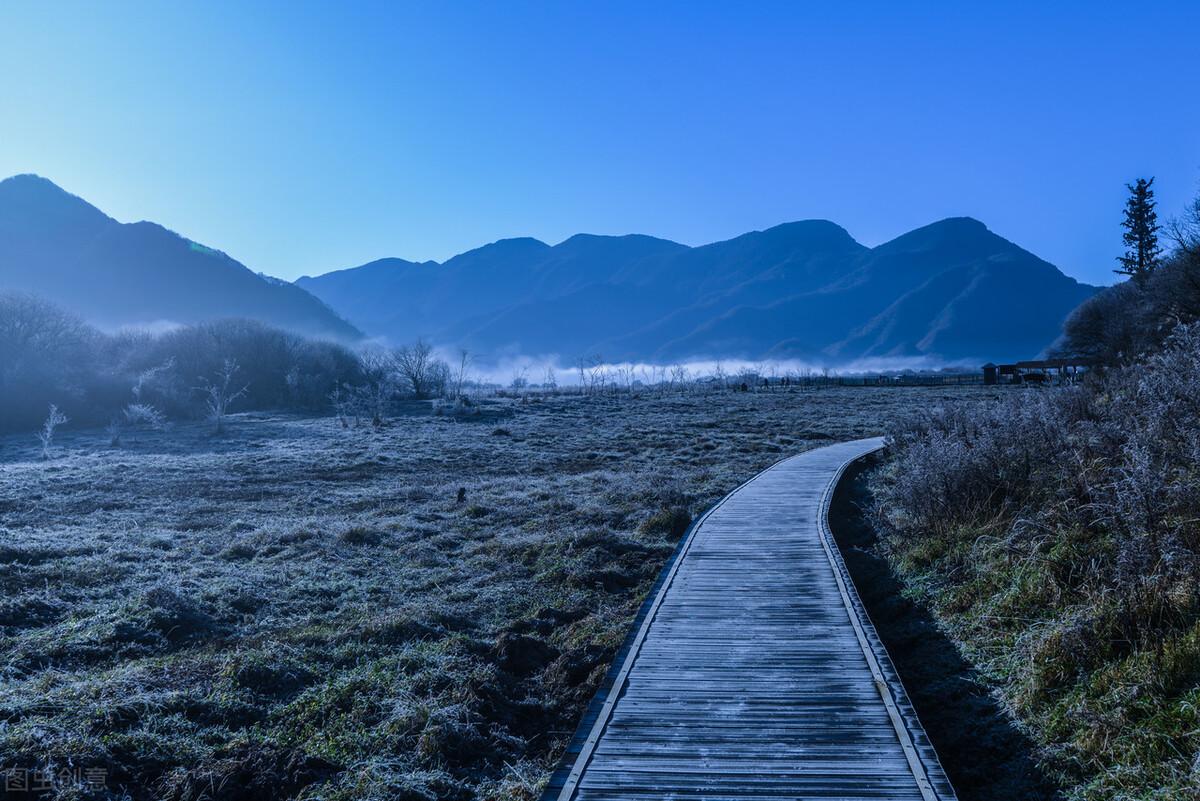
(301, 138)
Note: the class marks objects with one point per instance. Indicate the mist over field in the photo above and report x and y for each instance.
(538, 371)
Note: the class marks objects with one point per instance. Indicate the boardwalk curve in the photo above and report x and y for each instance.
(755, 672)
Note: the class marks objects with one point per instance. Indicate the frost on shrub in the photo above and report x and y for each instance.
(1057, 533)
(343, 407)
(46, 436)
(1117, 457)
(967, 464)
(220, 393)
(141, 413)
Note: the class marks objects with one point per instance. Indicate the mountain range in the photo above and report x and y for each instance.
(60, 247)
(952, 291)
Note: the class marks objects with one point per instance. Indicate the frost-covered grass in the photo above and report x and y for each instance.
(299, 610)
(1057, 536)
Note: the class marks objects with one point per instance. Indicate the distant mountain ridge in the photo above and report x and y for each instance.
(952, 291)
(57, 245)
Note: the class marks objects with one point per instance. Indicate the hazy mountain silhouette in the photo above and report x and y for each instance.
(951, 291)
(56, 245)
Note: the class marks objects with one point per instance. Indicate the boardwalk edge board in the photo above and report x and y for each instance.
(910, 749)
(917, 749)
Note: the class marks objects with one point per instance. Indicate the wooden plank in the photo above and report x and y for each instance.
(755, 672)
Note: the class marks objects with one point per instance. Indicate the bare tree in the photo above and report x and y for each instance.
(520, 381)
(415, 365)
(46, 436)
(439, 379)
(219, 394)
(463, 360)
(1184, 230)
(719, 377)
(597, 374)
(679, 377)
(372, 398)
(342, 405)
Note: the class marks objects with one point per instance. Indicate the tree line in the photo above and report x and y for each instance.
(133, 379)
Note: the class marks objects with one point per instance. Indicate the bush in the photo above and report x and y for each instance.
(1056, 535)
(670, 523)
(136, 378)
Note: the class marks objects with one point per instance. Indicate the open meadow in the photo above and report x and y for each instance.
(297, 609)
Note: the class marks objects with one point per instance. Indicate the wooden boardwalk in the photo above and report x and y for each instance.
(755, 672)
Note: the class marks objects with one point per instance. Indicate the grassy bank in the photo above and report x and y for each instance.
(1055, 535)
(984, 754)
(298, 610)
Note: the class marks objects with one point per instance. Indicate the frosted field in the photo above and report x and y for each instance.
(299, 610)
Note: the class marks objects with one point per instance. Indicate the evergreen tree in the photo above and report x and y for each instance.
(1141, 233)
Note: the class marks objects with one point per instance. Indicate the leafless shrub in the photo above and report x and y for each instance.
(143, 415)
(1184, 230)
(424, 375)
(679, 377)
(371, 400)
(439, 379)
(592, 374)
(460, 376)
(220, 393)
(1114, 458)
(342, 400)
(114, 430)
(146, 379)
(46, 436)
